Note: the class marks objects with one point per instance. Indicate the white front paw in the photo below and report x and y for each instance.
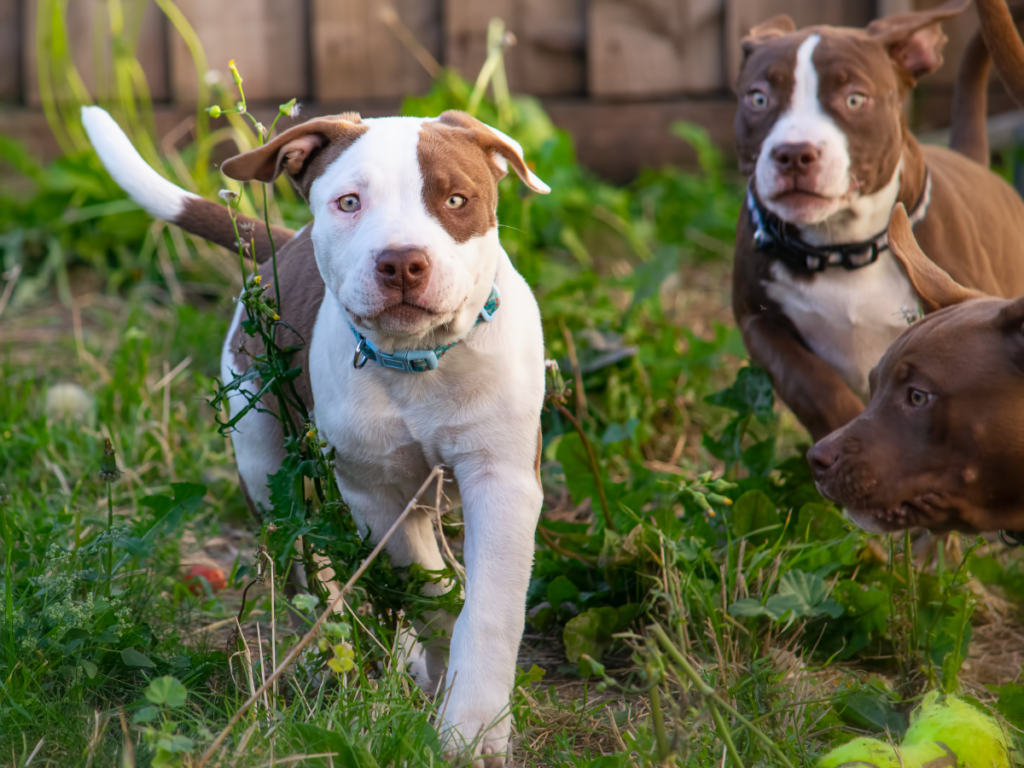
(473, 729)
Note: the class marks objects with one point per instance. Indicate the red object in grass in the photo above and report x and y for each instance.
(214, 576)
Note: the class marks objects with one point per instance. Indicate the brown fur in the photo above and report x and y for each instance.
(302, 292)
(953, 462)
(973, 229)
(1004, 44)
(213, 222)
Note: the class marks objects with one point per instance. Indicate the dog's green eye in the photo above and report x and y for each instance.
(856, 100)
(757, 99)
(455, 201)
(349, 203)
(919, 399)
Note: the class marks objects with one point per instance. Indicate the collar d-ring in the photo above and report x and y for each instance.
(356, 362)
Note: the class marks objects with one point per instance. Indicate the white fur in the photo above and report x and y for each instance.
(848, 318)
(144, 185)
(258, 440)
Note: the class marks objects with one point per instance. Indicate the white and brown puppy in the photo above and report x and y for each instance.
(403, 262)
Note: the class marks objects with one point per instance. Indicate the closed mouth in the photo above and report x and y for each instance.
(791, 196)
(405, 312)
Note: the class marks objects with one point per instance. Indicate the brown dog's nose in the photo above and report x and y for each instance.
(403, 271)
(796, 158)
(822, 457)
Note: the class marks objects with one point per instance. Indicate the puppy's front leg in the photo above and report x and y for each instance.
(501, 504)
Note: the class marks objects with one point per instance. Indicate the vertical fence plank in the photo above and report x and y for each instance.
(88, 30)
(266, 38)
(356, 55)
(549, 58)
(10, 50)
(650, 48)
(742, 15)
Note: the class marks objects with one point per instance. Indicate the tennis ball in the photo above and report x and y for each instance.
(862, 753)
(954, 730)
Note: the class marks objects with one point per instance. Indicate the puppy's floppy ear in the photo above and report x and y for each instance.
(776, 26)
(915, 40)
(504, 150)
(294, 149)
(932, 283)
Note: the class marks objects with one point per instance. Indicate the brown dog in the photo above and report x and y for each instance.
(820, 129)
(941, 444)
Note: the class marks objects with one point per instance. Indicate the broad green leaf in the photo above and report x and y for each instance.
(90, 668)
(1011, 703)
(146, 714)
(753, 511)
(168, 691)
(748, 606)
(871, 712)
(133, 658)
(306, 603)
(562, 590)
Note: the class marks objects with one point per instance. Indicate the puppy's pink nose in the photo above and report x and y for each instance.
(797, 158)
(822, 457)
(403, 272)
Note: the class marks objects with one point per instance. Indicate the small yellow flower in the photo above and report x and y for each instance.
(275, 317)
(258, 279)
(234, 72)
(311, 434)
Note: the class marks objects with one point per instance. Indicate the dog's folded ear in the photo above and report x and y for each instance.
(776, 26)
(915, 40)
(293, 151)
(933, 284)
(504, 150)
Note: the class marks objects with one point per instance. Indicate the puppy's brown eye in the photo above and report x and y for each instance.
(455, 201)
(919, 399)
(349, 203)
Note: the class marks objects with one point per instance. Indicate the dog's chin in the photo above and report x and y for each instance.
(917, 513)
(404, 320)
(803, 208)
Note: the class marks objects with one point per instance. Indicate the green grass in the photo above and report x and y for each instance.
(694, 600)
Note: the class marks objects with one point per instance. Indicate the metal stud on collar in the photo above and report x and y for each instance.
(356, 362)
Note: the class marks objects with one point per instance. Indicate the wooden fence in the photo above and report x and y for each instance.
(614, 72)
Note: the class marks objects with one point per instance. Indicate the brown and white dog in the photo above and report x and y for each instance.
(392, 290)
(821, 131)
(941, 444)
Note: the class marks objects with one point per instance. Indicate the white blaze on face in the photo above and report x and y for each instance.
(804, 121)
(383, 169)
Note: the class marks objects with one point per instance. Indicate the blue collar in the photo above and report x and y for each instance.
(417, 360)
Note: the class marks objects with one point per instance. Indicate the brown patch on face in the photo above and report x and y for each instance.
(456, 156)
(453, 162)
(769, 65)
(302, 292)
(942, 441)
(303, 152)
